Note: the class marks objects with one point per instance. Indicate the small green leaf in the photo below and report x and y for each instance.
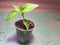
(29, 7)
(11, 15)
(17, 8)
(25, 22)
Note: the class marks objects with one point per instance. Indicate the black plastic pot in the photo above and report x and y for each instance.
(23, 35)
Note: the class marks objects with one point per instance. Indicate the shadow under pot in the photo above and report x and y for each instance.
(22, 34)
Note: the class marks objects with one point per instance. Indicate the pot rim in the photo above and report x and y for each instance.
(24, 29)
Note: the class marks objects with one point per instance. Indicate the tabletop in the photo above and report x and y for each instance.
(46, 31)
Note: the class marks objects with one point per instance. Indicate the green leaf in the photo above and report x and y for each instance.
(25, 22)
(17, 8)
(29, 7)
(11, 15)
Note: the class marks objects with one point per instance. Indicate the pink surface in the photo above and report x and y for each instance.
(44, 4)
(15, 39)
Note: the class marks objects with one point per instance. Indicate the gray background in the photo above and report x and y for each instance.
(46, 31)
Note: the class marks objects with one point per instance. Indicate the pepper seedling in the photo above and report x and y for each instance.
(21, 10)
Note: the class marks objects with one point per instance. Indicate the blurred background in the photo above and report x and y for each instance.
(53, 5)
(46, 18)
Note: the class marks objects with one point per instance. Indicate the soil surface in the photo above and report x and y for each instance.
(20, 24)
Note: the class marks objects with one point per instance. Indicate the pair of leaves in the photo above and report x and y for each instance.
(25, 8)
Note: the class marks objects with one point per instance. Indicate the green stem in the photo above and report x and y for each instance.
(23, 15)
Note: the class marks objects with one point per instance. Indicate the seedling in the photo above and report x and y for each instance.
(21, 10)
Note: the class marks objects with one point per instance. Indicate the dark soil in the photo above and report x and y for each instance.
(20, 24)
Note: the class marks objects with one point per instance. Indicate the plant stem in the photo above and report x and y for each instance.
(23, 15)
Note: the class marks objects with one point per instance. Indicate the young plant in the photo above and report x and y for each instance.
(21, 10)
